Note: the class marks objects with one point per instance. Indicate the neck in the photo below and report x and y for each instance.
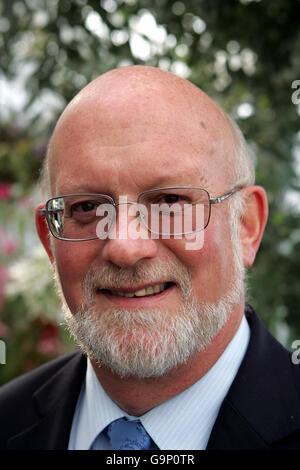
(137, 396)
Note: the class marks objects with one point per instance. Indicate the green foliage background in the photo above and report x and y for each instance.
(243, 53)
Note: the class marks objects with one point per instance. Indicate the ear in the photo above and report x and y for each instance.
(253, 222)
(43, 231)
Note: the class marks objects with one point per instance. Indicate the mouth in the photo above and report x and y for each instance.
(147, 291)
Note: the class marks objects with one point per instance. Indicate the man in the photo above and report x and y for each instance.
(173, 357)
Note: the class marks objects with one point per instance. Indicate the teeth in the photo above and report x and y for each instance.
(124, 294)
(142, 292)
(157, 289)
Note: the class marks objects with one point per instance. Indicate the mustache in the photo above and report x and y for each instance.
(108, 276)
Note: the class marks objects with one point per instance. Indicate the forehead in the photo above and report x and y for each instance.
(150, 138)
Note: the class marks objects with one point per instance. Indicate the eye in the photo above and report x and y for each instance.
(83, 210)
(84, 206)
(170, 198)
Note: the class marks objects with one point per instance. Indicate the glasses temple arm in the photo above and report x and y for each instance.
(216, 200)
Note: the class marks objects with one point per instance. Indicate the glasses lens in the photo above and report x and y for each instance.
(175, 211)
(79, 217)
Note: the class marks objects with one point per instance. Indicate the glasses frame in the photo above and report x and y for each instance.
(214, 200)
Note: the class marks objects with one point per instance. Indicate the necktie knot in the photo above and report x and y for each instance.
(128, 435)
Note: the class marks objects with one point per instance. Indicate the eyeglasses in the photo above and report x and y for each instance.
(165, 212)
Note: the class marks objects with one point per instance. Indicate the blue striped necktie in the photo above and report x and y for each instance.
(129, 435)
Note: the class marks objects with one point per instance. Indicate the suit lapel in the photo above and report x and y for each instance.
(55, 404)
(233, 432)
(262, 405)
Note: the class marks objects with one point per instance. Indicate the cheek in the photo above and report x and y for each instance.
(73, 260)
(210, 266)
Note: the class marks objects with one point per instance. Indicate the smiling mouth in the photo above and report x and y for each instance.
(145, 292)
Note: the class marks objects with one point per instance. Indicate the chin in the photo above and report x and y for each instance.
(145, 343)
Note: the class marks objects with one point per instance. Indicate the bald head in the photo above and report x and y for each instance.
(135, 91)
(128, 100)
(141, 84)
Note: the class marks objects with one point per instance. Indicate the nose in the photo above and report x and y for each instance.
(129, 241)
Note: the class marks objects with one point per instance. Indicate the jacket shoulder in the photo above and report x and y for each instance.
(17, 408)
(262, 407)
(30, 381)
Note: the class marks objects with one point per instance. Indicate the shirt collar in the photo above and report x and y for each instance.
(183, 422)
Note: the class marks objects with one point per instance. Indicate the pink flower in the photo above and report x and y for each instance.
(3, 279)
(25, 202)
(7, 245)
(49, 346)
(5, 191)
(4, 330)
(49, 342)
(10, 247)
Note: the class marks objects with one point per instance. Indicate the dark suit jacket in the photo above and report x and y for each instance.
(260, 411)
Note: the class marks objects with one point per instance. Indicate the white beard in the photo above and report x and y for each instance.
(149, 342)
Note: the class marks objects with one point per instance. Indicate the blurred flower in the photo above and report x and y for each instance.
(49, 342)
(7, 245)
(24, 202)
(3, 280)
(4, 330)
(31, 278)
(10, 247)
(5, 191)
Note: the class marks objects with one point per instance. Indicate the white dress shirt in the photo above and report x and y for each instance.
(183, 422)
